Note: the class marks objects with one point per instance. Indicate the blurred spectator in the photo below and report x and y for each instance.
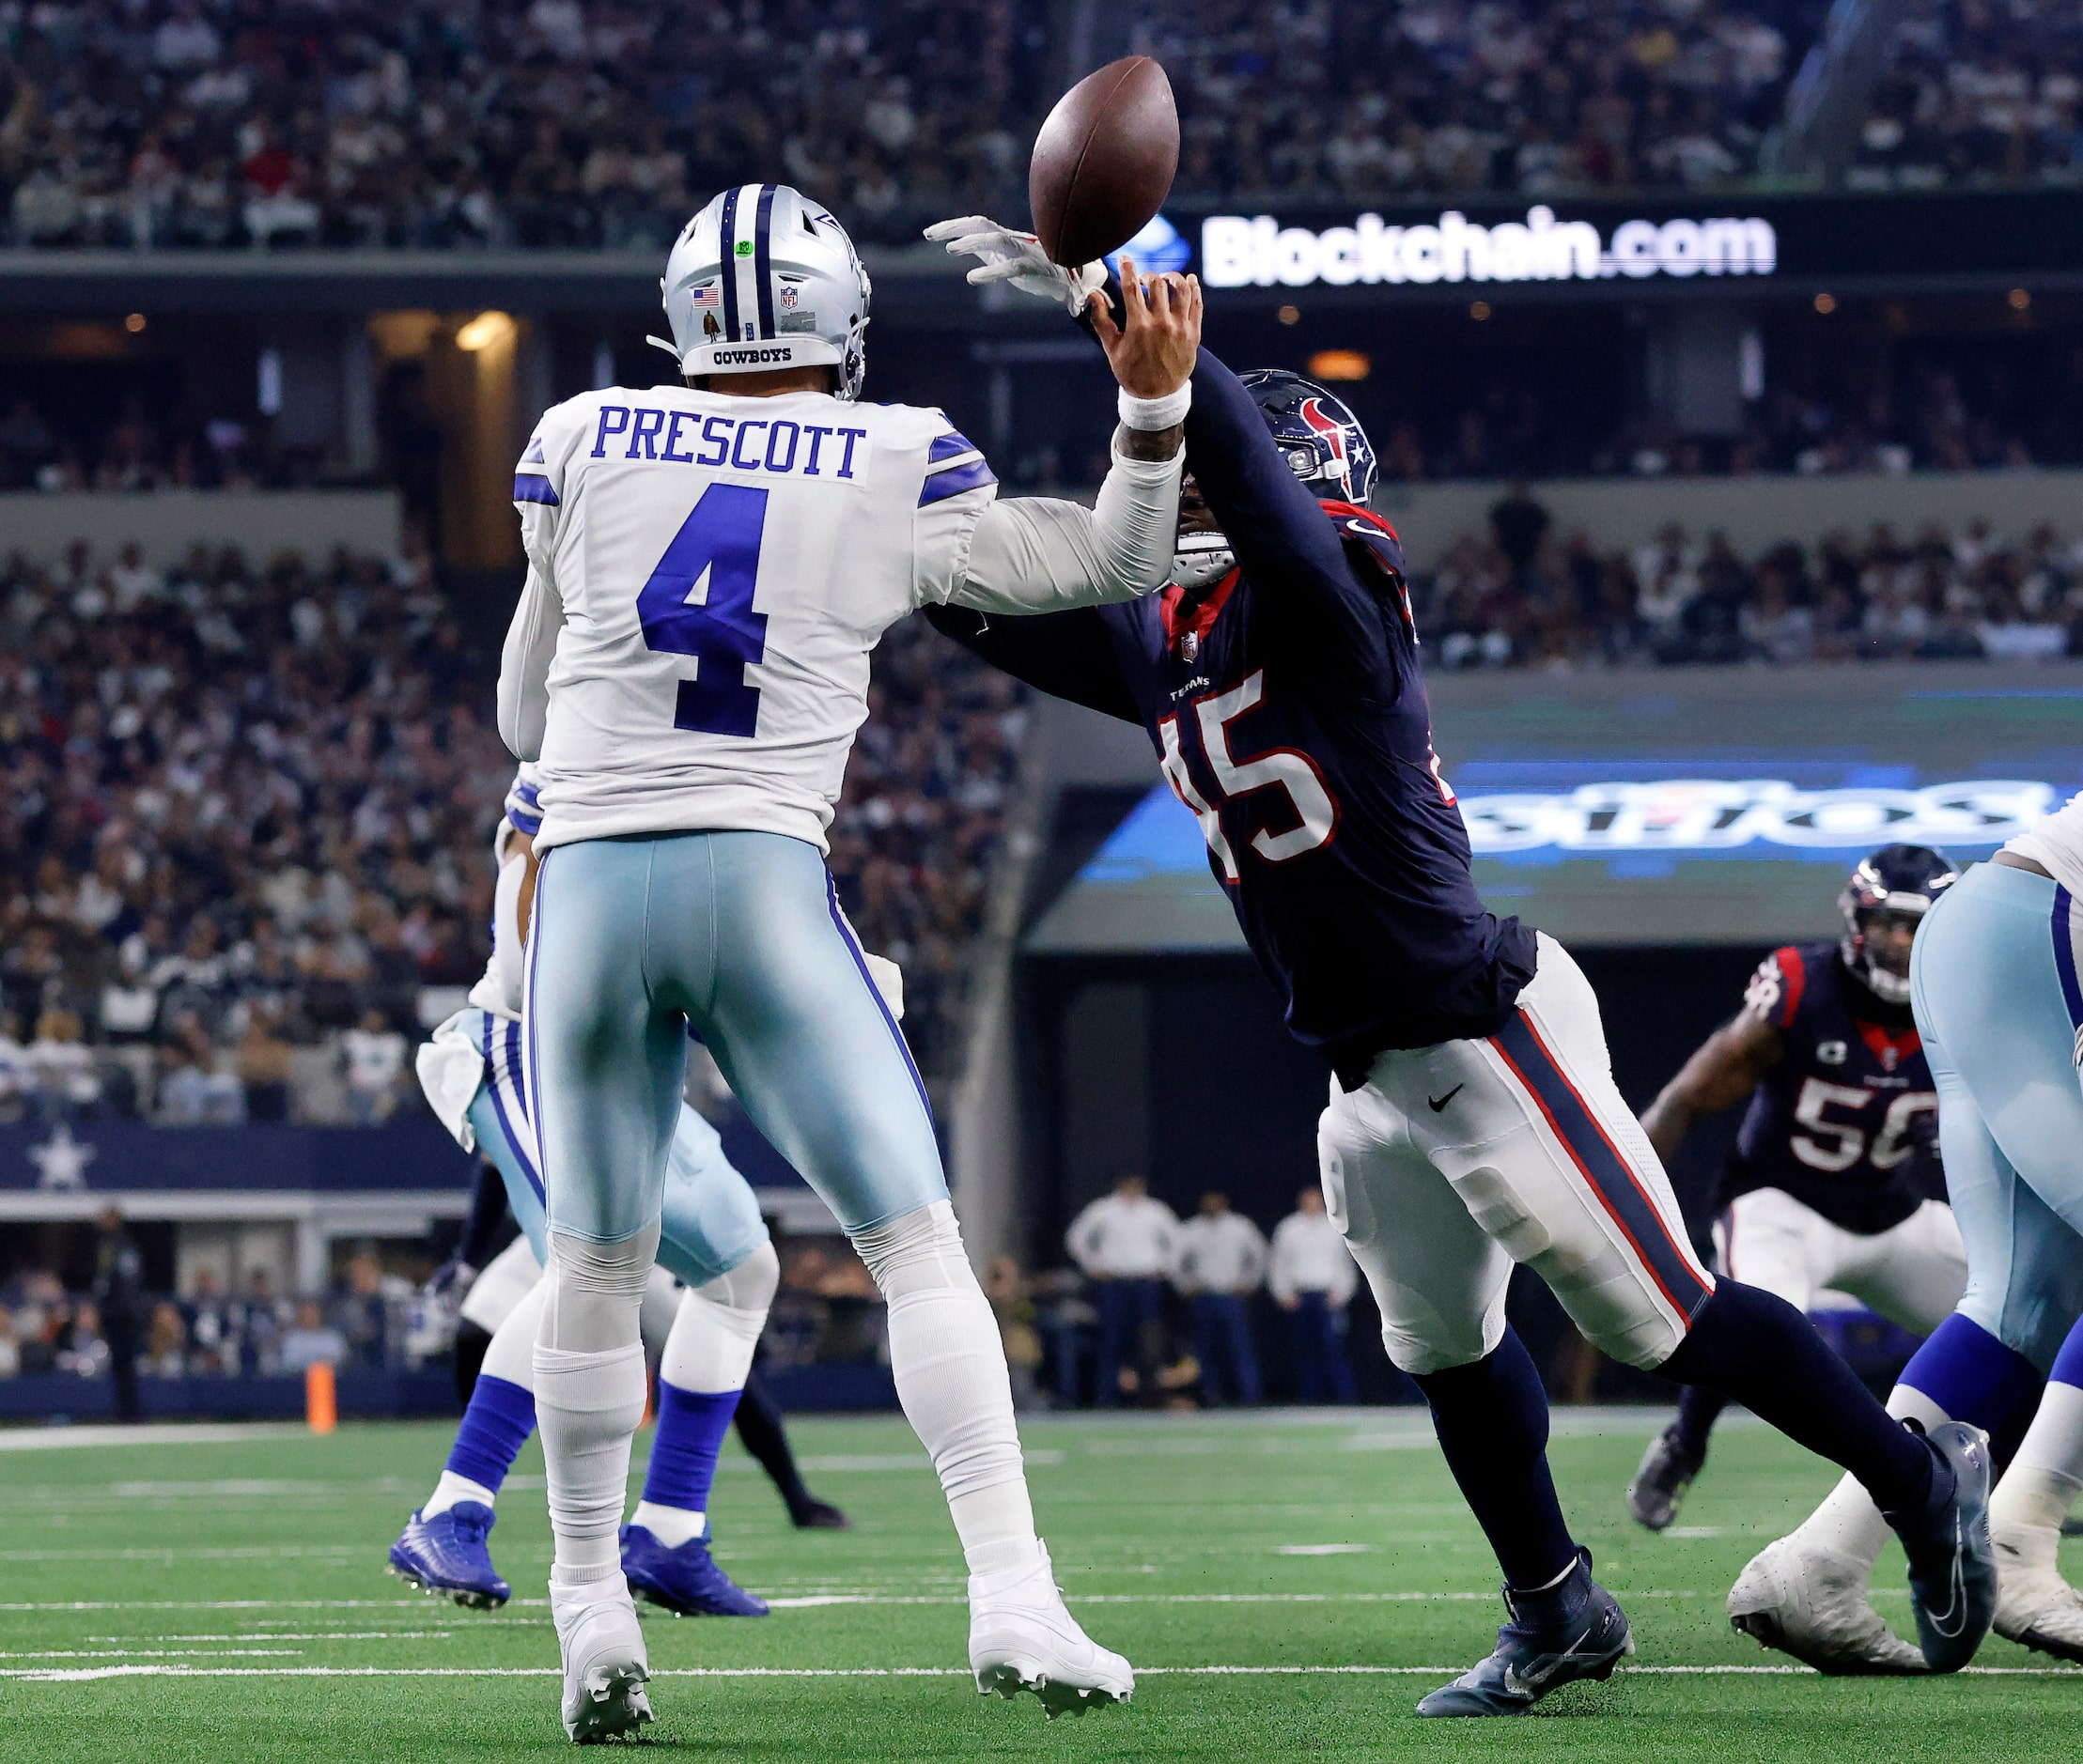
(310, 1340)
(10, 1350)
(212, 1328)
(374, 1053)
(1313, 1278)
(193, 1091)
(1127, 1243)
(1221, 1263)
(266, 1064)
(261, 1326)
(119, 1299)
(1519, 523)
(1007, 1289)
(166, 1345)
(66, 1079)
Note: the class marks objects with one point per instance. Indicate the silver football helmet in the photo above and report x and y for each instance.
(764, 278)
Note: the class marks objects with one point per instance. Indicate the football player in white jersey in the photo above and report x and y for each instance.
(1995, 984)
(713, 1240)
(709, 566)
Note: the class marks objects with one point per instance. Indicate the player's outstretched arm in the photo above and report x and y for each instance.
(1035, 554)
(1722, 1072)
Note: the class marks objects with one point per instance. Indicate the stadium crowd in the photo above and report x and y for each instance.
(1523, 595)
(1541, 96)
(531, 123)
(244, 829)
(1977, 93)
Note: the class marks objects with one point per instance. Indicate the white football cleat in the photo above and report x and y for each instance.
(2035, 1606)
(605, 1668)
(1812, 1604)
(1022, 1638)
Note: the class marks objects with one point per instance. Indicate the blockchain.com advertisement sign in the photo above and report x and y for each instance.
(1596, 247)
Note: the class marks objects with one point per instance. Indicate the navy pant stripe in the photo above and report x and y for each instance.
(1622, 1195)
(2065, 953)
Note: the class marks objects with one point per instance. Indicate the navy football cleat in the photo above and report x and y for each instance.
(685, 1580)
(1549, 1639)
(448, 1555)
(1952, 1563)
(1659, 1486)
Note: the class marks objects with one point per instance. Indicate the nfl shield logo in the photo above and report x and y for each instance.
(787, 299)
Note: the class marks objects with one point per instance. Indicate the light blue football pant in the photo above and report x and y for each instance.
(711, 1222)
(1987, 986)
(739, 936)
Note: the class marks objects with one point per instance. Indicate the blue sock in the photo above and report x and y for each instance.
(495, 1425)
(692, 1425)
(1492, 1420)
(2067, 1364)
(1971, 1375)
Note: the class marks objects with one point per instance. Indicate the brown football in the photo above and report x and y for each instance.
(1104, 161)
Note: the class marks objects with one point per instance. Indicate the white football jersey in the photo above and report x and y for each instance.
(2056, 844)
(724, 566)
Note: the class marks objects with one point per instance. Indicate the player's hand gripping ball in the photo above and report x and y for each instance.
(1152, 349)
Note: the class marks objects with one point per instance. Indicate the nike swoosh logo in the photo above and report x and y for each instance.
(1953, 1618)
(1530, 1683)
(1437, 1104)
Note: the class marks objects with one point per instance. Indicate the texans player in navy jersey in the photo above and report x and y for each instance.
(1833, 1179)
(1473, 1119)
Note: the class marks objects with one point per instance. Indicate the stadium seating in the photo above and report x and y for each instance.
(244, 852)
(1558, 96)
(1978, 93)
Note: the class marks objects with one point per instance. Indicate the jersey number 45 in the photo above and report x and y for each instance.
(719, 540)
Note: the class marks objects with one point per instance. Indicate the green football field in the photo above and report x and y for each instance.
(1286, 1585)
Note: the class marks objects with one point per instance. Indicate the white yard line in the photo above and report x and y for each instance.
(75, 1674)
(160, 1434)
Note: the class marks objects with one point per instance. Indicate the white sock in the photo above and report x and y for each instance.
(671, 1526)
(589, 1395)
(452, 1489)
(951, 1378)
(1848, 1523)
(2047, 1475)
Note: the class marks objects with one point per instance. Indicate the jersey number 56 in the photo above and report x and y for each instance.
(719, 540)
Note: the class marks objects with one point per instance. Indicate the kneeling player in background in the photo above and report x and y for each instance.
(1993, 985)
(1830, 1184)
(1473, 1119)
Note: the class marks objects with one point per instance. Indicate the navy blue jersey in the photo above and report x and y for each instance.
(1289, 713)
(1846, 1122)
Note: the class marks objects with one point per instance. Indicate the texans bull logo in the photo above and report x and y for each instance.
(1333, 433)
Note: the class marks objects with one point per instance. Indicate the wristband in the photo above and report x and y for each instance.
(1151, 414)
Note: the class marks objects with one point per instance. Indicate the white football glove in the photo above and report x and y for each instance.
(1006, 255)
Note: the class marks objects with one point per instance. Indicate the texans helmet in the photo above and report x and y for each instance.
(1320, 437)
(1900, 880)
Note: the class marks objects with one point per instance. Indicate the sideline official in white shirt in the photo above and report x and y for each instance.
(1127, 1243)
(1312, 1277)
(1222, 1263)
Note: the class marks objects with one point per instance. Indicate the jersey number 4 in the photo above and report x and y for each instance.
(1315, 811)
(718, 541)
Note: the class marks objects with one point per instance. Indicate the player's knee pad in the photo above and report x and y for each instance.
(917, 1252)
(596, 1290)
(750, 1286)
